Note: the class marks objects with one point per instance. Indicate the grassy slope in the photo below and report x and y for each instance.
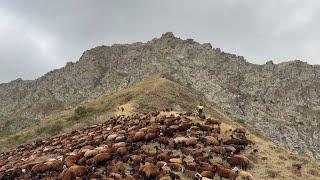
(159, 93)
(154, 93)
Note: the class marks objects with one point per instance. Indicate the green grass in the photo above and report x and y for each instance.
(51, 129)
(257, 133)
(240, 120)
(20, 138)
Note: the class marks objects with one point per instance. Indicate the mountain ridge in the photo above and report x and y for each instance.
(281, 100)
(151, 96)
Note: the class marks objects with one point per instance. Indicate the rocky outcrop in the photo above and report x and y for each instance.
(281, 100)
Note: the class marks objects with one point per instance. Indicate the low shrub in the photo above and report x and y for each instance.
(282, 157)
(313, 172)
(80, 113)
(272, 173)
(293, 157)
(54, 129)
(241, 121)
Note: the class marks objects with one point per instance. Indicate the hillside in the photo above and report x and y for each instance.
(282, 101)
(155, 93)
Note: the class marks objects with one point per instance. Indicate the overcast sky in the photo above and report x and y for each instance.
(37, 36)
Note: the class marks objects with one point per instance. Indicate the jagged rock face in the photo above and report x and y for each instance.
(282, 101)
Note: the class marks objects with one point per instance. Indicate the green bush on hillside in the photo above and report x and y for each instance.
(54, 129)
(273, 174)
(240, 120)
(80, 113)
(51, 129)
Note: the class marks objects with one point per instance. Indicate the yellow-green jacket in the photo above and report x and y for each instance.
(200, 107)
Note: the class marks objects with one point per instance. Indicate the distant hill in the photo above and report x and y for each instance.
(282, 101)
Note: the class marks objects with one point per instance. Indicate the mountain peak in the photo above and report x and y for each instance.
(167, 35)
(264, 97)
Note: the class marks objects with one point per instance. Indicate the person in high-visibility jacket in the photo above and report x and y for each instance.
(200, 109)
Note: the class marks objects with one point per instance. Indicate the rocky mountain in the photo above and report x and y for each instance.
(282, 101)
(71, 140)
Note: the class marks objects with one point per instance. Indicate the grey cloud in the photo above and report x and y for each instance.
(42, 35)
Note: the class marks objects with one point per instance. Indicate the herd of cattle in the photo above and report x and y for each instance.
(140, 146)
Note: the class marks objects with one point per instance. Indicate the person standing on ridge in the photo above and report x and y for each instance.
(200, 109)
